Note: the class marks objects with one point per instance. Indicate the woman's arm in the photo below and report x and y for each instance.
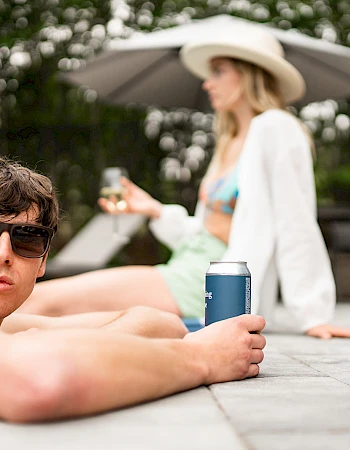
(169, 223)
(174, 224)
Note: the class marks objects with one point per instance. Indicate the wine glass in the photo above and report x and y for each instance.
(112, 190)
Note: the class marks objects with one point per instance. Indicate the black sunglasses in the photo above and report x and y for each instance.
(28, 240)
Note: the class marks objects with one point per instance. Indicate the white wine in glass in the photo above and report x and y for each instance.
(112, 190)
(113, 194)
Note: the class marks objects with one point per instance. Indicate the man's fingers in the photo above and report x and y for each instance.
(258, 341)
(257, 356)
(253, 370)
(253, 323)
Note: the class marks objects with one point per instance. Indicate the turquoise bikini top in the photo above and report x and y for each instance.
(221, 194)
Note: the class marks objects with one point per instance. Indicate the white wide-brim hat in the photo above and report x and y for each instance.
(249, 43)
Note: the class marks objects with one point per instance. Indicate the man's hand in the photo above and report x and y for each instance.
(229, 349)
(328, 331)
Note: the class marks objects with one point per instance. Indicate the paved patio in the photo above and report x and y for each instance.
(301, 400)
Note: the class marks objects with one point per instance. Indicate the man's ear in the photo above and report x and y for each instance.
(42, 268)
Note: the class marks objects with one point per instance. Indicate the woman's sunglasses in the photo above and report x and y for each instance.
(28, 240)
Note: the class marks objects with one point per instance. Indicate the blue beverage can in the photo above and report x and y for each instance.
(227, 291)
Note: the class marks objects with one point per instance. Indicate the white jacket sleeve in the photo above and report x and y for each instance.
(303, 265)
(174, 224)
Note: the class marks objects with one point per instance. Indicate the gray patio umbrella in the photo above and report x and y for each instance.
(147, 70)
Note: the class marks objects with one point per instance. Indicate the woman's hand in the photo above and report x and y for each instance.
(328, 331)
(136, 200)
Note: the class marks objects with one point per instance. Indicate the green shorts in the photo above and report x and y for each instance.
(184, 273)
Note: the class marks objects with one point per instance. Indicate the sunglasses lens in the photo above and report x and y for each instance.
(30, 241)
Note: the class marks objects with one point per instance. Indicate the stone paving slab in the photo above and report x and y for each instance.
(300, 441)
(191, 420)
(335, 366)
(277, 365)
(291, 345)
(287, 404)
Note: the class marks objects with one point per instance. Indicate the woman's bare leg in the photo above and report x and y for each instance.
(102, 290)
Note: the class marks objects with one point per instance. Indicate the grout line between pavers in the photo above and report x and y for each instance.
(317, 370)
(239, 434)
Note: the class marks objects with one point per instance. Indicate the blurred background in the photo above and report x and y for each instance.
(65, 133)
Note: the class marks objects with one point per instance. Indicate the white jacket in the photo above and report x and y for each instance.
(274, 226)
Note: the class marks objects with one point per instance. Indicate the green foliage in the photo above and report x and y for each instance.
(339, 183)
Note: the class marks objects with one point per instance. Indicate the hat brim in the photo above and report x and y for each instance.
(196, 58)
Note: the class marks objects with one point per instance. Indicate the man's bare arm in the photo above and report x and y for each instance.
(140, 320)
(56, 374)
(18, 322)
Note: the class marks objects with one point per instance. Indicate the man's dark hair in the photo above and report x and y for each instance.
(22, 188)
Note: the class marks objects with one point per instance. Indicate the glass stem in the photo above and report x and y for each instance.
(115, 226)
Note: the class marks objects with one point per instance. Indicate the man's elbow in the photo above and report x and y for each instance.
(151, 322)
(36, 395)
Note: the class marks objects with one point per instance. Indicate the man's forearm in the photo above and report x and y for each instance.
(22, 322)
(140, 320)
(58, 374)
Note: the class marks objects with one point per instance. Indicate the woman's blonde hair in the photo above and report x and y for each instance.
(262, 92)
